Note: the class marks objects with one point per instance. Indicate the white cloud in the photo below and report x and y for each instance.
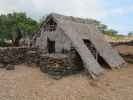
(84, 8)
(121, 11)
(81, 8)
(6, 7)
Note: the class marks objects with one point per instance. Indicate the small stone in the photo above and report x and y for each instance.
(10, 67)
(43, 69)
(56, 77)
(2, 66)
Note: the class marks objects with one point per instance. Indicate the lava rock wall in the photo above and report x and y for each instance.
(53, 64)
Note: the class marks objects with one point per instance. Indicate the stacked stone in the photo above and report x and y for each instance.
(32, 57)
(53, 64)
(129, 43)
(59, 65)
(10, 56)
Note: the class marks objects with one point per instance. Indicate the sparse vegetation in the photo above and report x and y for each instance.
(14, 26)
(130, 33)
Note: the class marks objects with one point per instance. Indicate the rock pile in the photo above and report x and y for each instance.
(53, 64)
(59, 65)
(12, 55)
(129, 43)
(32, 57)
(10, 67)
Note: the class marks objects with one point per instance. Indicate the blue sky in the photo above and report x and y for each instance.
(121, 15)
(117, 14)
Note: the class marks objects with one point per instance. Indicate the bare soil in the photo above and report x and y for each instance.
(29, 83)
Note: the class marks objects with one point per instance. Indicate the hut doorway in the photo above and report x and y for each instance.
(95, 53)
(91, 47)
(50, 46)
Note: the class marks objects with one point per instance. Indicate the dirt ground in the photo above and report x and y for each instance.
(29, 83)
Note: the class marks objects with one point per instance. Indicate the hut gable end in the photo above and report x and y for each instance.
(63, 32)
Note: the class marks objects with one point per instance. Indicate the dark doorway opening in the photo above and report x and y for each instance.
(50, 46)
(102, 62)
(95, 53)
(91, 47)
(50, 25)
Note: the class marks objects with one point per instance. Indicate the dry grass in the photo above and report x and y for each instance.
(26, 83)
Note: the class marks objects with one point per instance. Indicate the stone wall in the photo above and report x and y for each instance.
(53, 64)
(13, 55)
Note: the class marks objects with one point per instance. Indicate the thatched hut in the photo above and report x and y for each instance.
(59, 34)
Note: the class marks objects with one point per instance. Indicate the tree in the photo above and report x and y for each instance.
(130, 33)
(100, 26)
(104, 29)
(111, 32)
(14, 26)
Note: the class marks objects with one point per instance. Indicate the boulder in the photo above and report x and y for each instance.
(10, 67)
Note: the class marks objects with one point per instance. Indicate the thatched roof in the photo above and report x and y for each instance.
(77, 29)
(58, 17)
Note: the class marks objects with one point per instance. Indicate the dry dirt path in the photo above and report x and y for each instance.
(26, 83)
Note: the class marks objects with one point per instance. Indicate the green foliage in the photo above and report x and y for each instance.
(110, 32)
(14, 26)
(130, 33)
(104, 29)
(118, 37)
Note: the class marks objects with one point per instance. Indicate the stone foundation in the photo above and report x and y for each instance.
(53, 64)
